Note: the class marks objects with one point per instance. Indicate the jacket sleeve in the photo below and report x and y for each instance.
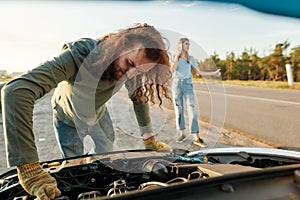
(141, 110)
(18, 98)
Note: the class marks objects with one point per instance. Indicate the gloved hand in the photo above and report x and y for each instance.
(152, 144)
(37, 182)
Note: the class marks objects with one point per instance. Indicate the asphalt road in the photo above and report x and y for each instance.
(271, 115)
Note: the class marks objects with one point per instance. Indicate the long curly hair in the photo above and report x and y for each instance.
(150, 86)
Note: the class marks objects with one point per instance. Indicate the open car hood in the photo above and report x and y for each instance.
(224, 173)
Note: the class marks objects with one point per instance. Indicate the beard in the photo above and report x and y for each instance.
(110, 73)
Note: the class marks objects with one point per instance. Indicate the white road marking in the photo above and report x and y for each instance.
(253, 98)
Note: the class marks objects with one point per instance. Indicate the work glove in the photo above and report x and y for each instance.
(152, 144)
(37, 182)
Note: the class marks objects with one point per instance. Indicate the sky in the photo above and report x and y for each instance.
(32, 32)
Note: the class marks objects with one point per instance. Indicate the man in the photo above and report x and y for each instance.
(86, 75)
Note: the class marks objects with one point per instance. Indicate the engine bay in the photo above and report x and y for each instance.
(120, 173)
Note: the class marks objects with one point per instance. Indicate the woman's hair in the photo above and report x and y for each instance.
(179, 46)
(152, 85)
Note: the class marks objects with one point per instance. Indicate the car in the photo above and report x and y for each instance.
(250, 152)
(221, 173)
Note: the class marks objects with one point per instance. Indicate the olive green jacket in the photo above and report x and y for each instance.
(79, 97)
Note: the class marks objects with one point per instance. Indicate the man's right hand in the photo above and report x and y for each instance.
(37, 182)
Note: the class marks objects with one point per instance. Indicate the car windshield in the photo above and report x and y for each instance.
(253, 102)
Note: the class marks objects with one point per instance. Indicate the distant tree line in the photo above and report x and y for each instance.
(249, 66)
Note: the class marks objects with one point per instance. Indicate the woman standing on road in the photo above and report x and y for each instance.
(182, 90)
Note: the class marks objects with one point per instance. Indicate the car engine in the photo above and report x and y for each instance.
(112, 175)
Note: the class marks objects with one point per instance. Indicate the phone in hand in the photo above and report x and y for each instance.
(180, 49)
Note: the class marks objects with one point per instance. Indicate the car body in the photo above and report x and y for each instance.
(221, 173)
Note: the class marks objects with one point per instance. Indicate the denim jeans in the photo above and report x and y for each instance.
(182, 90)
(70, 139)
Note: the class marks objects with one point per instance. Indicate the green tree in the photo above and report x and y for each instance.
(274, 64)
(254, 70)
(295, 62)
(229, 64)
(242, 66)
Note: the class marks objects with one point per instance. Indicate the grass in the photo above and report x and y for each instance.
(260, 84)
(265, 84)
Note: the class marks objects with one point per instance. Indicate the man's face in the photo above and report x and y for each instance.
(131, 64)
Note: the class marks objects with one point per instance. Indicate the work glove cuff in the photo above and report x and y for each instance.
(29, 170)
